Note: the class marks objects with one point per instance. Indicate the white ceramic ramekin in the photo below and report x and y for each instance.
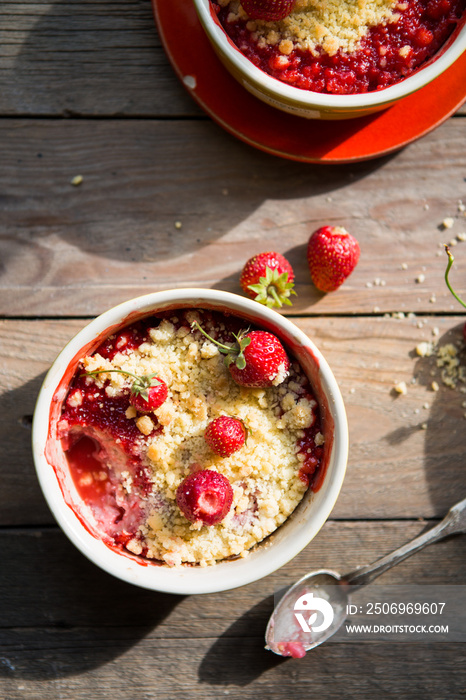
(314, 105)
(75, 518)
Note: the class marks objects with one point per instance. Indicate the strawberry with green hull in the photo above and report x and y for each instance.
(269, 279)
(148, 392)
(268, 10)
(225, 435)
(332, 255)
(256, 359)
(447, 272)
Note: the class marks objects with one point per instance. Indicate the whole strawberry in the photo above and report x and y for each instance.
(146, 399)
(256, 358)
(205, 495)
(268, 10)
(332, 255)
(225, 435)
(148, 392)
(268, 278)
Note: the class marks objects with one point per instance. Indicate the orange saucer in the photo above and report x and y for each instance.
(282, 134)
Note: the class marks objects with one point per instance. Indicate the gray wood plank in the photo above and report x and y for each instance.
(396, 469)
(93, 57)
(77, 632)
(78, 250)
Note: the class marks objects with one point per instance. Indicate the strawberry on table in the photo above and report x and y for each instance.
(205, 495)
(256, 358)
(225, 435)
(332, 255)
(268, 278)
(268, 10)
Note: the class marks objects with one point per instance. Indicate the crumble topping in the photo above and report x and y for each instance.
(331, 24)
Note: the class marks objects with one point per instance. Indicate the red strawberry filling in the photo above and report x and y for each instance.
(387, 54)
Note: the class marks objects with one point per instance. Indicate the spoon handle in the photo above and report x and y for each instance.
(454, 522)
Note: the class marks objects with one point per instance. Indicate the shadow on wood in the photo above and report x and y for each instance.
(61, 615)
(237, 657)
(445, 426)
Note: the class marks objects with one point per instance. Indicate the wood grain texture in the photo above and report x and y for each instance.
(396, 469)
(77, 632)
(78, 250)
(94, 58)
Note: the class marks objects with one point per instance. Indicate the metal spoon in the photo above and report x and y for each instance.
(331, 588)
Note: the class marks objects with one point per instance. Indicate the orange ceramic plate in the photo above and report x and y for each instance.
(273, 131)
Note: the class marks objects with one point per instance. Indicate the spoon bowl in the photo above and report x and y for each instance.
(312, 610)
(301, 621)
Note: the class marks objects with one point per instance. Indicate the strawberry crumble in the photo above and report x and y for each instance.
(207, 473)
(342, 46)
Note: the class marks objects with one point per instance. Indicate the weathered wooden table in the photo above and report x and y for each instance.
(86, 89)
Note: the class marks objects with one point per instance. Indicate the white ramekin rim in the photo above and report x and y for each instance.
(283, 545)
(306, 98)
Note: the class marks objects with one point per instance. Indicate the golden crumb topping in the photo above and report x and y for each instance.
(330, 24)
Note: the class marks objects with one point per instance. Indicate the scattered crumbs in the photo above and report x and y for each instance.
(433, 299)
(404, 266)
(416, 411)
(329, 199)
(401, 388)
(413, 380)
(453, 242)
(423, 426)
(464, 404)
(435, 331)
(352, 390)
(424, 349)
(77, 180)
(368, 284)
(426, 406)
(178, 224)
(426, 207)
(376, 309)
(420, 279)
(448, 222)
(449, 363)
(411, 315)
(461, 206)
(419, 324)
(439, 253)
(398, 314)
(461, 236)
(434, 386)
